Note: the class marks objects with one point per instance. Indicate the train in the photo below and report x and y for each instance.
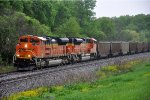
(35, 52)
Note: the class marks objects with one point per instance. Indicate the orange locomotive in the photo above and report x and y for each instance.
(37, 52)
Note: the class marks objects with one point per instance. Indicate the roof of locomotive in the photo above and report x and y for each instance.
(93, 39)
(65, 39)
(42, 38)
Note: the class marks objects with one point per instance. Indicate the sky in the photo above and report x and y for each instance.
(112, 8)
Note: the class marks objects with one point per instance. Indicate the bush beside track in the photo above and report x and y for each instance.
(6, 69)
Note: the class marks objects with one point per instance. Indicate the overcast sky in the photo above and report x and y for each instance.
(111, 8)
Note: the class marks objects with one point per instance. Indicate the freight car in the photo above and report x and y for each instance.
(133, 47)
(145, 47)
(115, 48)
(103, 49)
(119, 48)
(33, 52)
(124, 48)
(139, 47)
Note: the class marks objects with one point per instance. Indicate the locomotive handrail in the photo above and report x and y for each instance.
(14, 57)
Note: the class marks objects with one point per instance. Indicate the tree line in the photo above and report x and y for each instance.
(64, 18)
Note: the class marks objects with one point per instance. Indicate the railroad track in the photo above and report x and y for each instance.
(16, 82)
(17, 75)
(14, 75)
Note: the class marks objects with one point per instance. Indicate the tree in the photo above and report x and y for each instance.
(128, 35)
(94, 31)
(71, 28)
(17, 5)
(62, 15)
(106, 25)
(14, 25)
(84, 12)
(144, 36)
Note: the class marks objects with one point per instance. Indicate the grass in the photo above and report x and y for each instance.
(131, 82)
(5, 69)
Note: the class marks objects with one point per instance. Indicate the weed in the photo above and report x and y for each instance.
(5, 69)
(26, 94)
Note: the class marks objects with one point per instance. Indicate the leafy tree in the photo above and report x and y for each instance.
(94, 31)
(11, 27)
(144, 36)
(106, 25)
(128, 35)
(17, 5)
(62, 15)
(71, 28)
(84, 12)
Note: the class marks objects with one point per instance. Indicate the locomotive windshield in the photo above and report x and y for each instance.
(34, 40)
(24, 40)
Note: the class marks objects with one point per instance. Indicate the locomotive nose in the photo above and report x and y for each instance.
(24, 55)
(25, 51)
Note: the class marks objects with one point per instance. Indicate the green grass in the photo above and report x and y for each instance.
(132, 85)
(5, 69)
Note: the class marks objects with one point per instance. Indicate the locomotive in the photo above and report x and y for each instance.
(37, 52)
(34, 52)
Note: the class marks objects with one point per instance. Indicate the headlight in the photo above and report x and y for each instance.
(18, 55)
(25, 45)
(29, 56)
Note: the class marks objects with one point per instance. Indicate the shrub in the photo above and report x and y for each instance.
(26, 94)
(107, 70)
(118, 68)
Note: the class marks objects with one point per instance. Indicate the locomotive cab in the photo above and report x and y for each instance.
(88, 49)
(93, 46)
(87, 45)
(93, 42)
(28, 48)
